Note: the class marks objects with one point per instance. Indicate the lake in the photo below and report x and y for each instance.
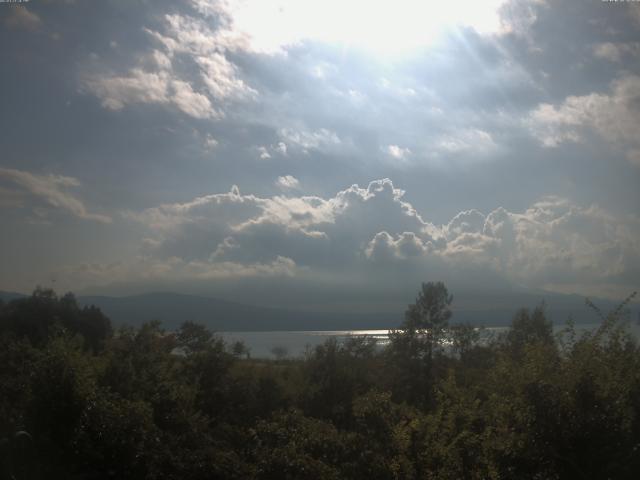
(296, 343)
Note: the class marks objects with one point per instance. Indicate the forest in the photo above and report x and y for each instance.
(82, 400)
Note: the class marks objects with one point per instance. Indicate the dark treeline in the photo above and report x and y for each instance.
(146, 403)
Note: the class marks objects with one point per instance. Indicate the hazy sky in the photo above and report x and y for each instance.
(320, 152)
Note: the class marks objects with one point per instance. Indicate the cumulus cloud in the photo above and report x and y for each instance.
(384, 247)
(154, 80)
(220, 77)
(553, 242)
(264, 153)
(148, 87)
(288, 182)
(469, 221)
(206, 47)
(139, 86)
(614, 115)
(216, 210)
(51, 189)
(251, 228)
(397, 152)
(192, 103)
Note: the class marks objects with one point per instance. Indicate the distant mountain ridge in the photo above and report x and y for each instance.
(8, 296)
(172, 309)
(221, 315)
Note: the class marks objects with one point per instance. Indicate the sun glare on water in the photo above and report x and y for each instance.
(381, 26)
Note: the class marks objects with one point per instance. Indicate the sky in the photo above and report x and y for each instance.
(320, 154)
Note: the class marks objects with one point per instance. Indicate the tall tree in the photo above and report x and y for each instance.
(429, 316)
(412, 346)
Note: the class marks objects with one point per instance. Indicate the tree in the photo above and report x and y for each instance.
(530, 328)
(240, 349)
(464, 337)
(413, 345)
(429, 316)
(280, 352)
(336, 374)
(193, 337)
(43, 314)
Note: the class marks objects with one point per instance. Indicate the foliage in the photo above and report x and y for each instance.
(43, 314)
(147, 403)
(413, 346)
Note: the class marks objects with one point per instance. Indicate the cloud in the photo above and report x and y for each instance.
(556, 241)
(553, 242)
(264, 153)
(397, 152)
(466, 140)
(21, 18)
(318, 229)
(192, 103)
(518, 16)
(211, 212)
(210, 143)
(358, 23)
(220, 77)
(616, 52)
(281, 148)
(615, 116)
(140, 86)
(558, 72)
(269, 151)
(50, 189)
(155, 80)
(468, 221)
(322, 139)
(288, 182)
(384, 247)
(144, 269)
(194, 39)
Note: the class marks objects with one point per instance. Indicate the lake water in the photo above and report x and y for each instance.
(295, 344)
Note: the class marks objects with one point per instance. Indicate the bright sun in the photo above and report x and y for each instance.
(383, 26)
